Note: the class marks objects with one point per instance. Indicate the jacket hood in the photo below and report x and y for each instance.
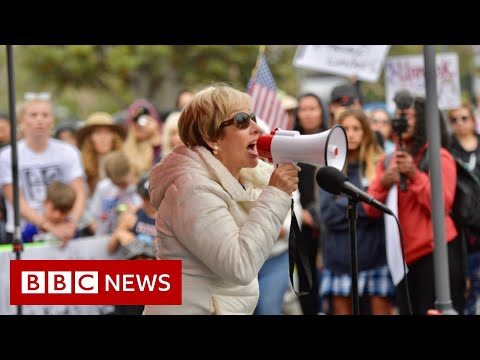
(198, 161)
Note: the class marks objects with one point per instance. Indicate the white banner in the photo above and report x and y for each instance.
(363, 61)
(392, 238)
(407, 73)
(89, 248)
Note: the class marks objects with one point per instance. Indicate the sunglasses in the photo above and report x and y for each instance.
(380, 121)
(454, 120)
(40, 96)
(241, 120)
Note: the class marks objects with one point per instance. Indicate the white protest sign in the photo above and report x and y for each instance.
(407, 73)
(88, 248)
(363, 61)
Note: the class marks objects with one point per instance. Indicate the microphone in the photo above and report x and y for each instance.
(336, 182)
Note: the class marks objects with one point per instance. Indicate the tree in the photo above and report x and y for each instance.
(109, 77)
(86, 78)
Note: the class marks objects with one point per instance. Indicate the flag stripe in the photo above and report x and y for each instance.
(266, 102)
(278, 115)
(269, 100)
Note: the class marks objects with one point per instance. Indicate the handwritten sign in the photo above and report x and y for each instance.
(407, 73)
(363, 61)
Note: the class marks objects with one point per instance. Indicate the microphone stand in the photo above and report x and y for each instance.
(352, 224)
(17, 238)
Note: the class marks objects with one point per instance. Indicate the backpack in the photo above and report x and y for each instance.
(466, 205)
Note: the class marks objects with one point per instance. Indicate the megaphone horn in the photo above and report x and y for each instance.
(328, 148)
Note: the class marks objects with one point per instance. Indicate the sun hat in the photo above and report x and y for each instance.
(94, 121)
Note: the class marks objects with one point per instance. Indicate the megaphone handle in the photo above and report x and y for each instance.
(291, 162)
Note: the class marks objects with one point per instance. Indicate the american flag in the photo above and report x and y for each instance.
(266, 102)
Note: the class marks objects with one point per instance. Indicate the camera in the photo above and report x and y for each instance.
(400, 124)
(141, 116)
(403, 100)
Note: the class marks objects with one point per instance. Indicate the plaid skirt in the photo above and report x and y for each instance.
(374, 282)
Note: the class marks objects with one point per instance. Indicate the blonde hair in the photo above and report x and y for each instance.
(370, 150)
(200, 119)
(90, 159)
(22, 106)
(117, 165)
(464, 105)
(139, 153)
(62, 196)
(169, 128)
(20, 110)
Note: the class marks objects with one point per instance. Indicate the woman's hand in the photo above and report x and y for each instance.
(390, 176)
(285, 178)
(405, 164)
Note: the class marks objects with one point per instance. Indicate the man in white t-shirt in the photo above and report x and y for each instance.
(41, 160)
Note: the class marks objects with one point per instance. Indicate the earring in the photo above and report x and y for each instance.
(215, 150)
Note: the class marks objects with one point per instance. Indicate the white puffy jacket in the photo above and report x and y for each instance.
(222, 233)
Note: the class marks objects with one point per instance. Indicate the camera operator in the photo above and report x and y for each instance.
(414, 207)
(404, 102)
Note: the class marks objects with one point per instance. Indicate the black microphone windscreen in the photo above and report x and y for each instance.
(331, 179)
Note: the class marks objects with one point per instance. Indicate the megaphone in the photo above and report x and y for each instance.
(328, 148)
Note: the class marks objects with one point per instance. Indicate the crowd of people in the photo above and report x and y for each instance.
(140, 179)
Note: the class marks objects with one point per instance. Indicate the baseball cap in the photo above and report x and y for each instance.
(136, 249)
(345, 95)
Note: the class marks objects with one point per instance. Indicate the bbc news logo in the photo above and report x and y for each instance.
(95, 282)
(59, 282)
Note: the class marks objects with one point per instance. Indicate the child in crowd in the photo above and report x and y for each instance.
(136, 224)
(114, 194)
(56, 209)
(135, 238)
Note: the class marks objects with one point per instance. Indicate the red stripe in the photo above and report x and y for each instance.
(268, 106)
(273, 115)
(262, 101)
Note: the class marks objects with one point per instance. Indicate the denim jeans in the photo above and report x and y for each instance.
(473, 300)
(274, 281)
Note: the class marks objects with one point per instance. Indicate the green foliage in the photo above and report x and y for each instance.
(86, 78)
(117, 74)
